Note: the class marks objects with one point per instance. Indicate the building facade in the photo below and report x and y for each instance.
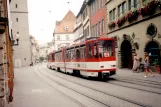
(6, 53)
(34, 50)
(135, 25)
(78, 28)
(97, 17)
(86, 20)
(64, 31)
(20, 25)
(43, 51)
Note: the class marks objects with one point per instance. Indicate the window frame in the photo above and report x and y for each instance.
(58, 36)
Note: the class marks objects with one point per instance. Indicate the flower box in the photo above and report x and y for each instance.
(111, 25)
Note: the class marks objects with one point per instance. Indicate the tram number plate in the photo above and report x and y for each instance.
(106, 71)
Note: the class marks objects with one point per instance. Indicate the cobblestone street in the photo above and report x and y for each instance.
(39, 86)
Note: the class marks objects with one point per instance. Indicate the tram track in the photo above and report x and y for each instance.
(105, 93)
(140, 80)
(137, 82)
(74, 91)
(115, 83)
(132, 87)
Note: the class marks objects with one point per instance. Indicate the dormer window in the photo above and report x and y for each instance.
(66, 28)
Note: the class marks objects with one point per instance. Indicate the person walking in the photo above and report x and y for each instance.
(136, 62)
(147, 64)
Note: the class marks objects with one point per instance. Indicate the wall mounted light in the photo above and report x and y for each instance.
(16, 39)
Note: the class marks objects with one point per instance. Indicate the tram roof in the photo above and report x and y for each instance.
(83, 43)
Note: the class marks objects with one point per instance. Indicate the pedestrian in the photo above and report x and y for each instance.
(147, 64)
(136, 62)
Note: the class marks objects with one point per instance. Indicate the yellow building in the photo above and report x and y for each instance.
(135, 25)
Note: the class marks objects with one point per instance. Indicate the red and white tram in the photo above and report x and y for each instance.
(92, 58)
(51, 60)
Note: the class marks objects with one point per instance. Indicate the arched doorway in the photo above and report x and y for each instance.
(17, 63)
(126, 54)
(154, 53)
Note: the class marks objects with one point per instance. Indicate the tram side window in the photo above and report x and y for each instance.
(72, 54)
(82, 52)
(53, 57)
(106, 49)
(95, 50)
(77, 53)
(61, 56)
(66, 54)
(89, 50)
(69, 53)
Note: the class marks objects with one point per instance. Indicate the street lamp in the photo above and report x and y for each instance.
(16, 38)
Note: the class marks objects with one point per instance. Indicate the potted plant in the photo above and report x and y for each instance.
(111, 25)
(133, 15)
(144, 11)
(129, 16)
(121, 21)
(151, 7)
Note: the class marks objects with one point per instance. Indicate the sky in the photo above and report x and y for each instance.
(44, 13)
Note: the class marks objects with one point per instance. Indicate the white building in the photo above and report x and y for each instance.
(20, 24)
(64, 31)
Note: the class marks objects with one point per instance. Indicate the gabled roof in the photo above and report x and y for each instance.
(68, 20)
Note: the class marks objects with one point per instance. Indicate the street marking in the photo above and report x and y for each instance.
(36, 90)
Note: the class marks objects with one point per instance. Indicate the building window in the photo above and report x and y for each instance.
(96, 30)
(66, 28)
(103, 26)
(98, 27)
(17, 19)
(102, 2)
(123, 7)
(130, 4)
(16, 5)
(119, 11)
(99, 4)
(136, 3)
(110, 15)
(58, 37)
(96, 5)
(93, 7)
(67, 37)
(114, 13)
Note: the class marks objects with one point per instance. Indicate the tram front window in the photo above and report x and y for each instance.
(105, 48)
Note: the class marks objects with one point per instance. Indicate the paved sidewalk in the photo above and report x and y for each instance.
(140, 75)
(30, 90)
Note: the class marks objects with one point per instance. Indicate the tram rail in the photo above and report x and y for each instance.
(105, 93)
